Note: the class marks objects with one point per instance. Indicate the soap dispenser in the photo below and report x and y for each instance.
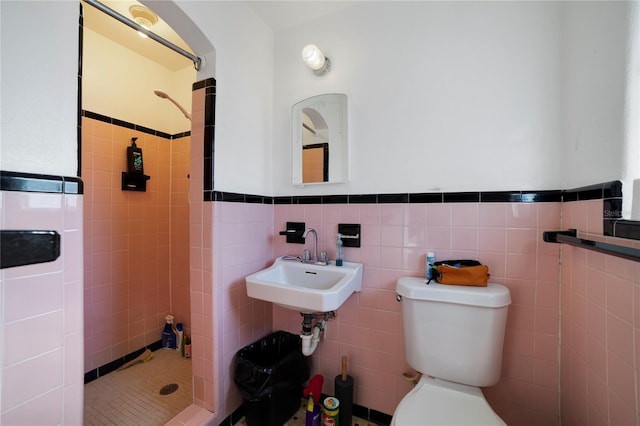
(339, 251)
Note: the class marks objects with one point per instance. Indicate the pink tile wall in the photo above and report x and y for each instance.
(395, 239)
(201, 269)
(243, 235)
(227, 242)
(600, 351)
(41, 323)
(179, 216)
(127, 242)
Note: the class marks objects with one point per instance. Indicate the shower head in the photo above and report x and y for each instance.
(164, 95)
(161, 94)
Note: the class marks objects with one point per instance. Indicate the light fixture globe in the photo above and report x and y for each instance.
(143, 17)
(315, 59)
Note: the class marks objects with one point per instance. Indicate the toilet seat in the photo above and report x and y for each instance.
(437, 402)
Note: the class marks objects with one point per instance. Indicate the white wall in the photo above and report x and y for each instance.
(601, 93)
(444, 96)
(123, 88)
(244, 101)
(39, 86)
(479, 86)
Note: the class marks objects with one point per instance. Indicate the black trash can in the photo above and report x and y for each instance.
(270, 374)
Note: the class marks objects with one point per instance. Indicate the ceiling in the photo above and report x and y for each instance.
(124, 35)
(278, 15)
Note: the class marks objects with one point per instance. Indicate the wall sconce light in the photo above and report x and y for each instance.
(313, 56)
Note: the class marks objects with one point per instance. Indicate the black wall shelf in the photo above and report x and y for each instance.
(134, 181)
(571, 237)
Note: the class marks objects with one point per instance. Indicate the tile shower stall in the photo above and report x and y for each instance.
(136, 244)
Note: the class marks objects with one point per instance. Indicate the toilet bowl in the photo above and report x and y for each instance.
(453, 335)
(440, 403)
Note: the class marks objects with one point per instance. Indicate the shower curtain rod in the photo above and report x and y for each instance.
(197, 62)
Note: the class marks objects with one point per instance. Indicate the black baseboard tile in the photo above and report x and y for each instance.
(109, 367)
(379, 417)
(234, 417)
(372, 416)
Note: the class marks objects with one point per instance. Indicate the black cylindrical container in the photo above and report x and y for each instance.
(344, 394)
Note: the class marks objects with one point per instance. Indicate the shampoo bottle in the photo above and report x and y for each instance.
(168, 335)
(134, 158)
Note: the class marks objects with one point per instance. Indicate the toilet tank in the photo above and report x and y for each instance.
(452, 332)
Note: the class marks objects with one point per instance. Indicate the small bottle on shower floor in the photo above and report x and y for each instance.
(179, 339)
(168, 336)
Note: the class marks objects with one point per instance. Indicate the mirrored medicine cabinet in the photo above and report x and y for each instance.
(320, 152)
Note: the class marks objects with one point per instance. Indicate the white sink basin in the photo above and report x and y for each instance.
(305, 287)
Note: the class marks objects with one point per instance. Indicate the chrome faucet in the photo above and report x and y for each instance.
(315, 242)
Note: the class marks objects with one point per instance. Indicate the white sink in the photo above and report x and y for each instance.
(305, 287)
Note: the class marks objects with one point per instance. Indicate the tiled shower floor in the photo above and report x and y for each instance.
(132, 396)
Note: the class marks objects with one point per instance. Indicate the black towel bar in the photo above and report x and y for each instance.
(28, 247)
(571, 237)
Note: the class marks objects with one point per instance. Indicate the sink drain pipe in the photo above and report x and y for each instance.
(311, 332)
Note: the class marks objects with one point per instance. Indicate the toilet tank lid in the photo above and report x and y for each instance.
(491, 296)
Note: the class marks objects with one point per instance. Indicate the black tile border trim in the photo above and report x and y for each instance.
(209, 86)
(133, 126)
(611, 195)
(612, 189)
(626, 229)
(31, 182)
(609, 192)
(96, 373)
(233, 197)
(399, 198)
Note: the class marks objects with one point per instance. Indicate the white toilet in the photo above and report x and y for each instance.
(453, 336)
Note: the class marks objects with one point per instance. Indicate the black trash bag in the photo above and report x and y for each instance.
(270, 363)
